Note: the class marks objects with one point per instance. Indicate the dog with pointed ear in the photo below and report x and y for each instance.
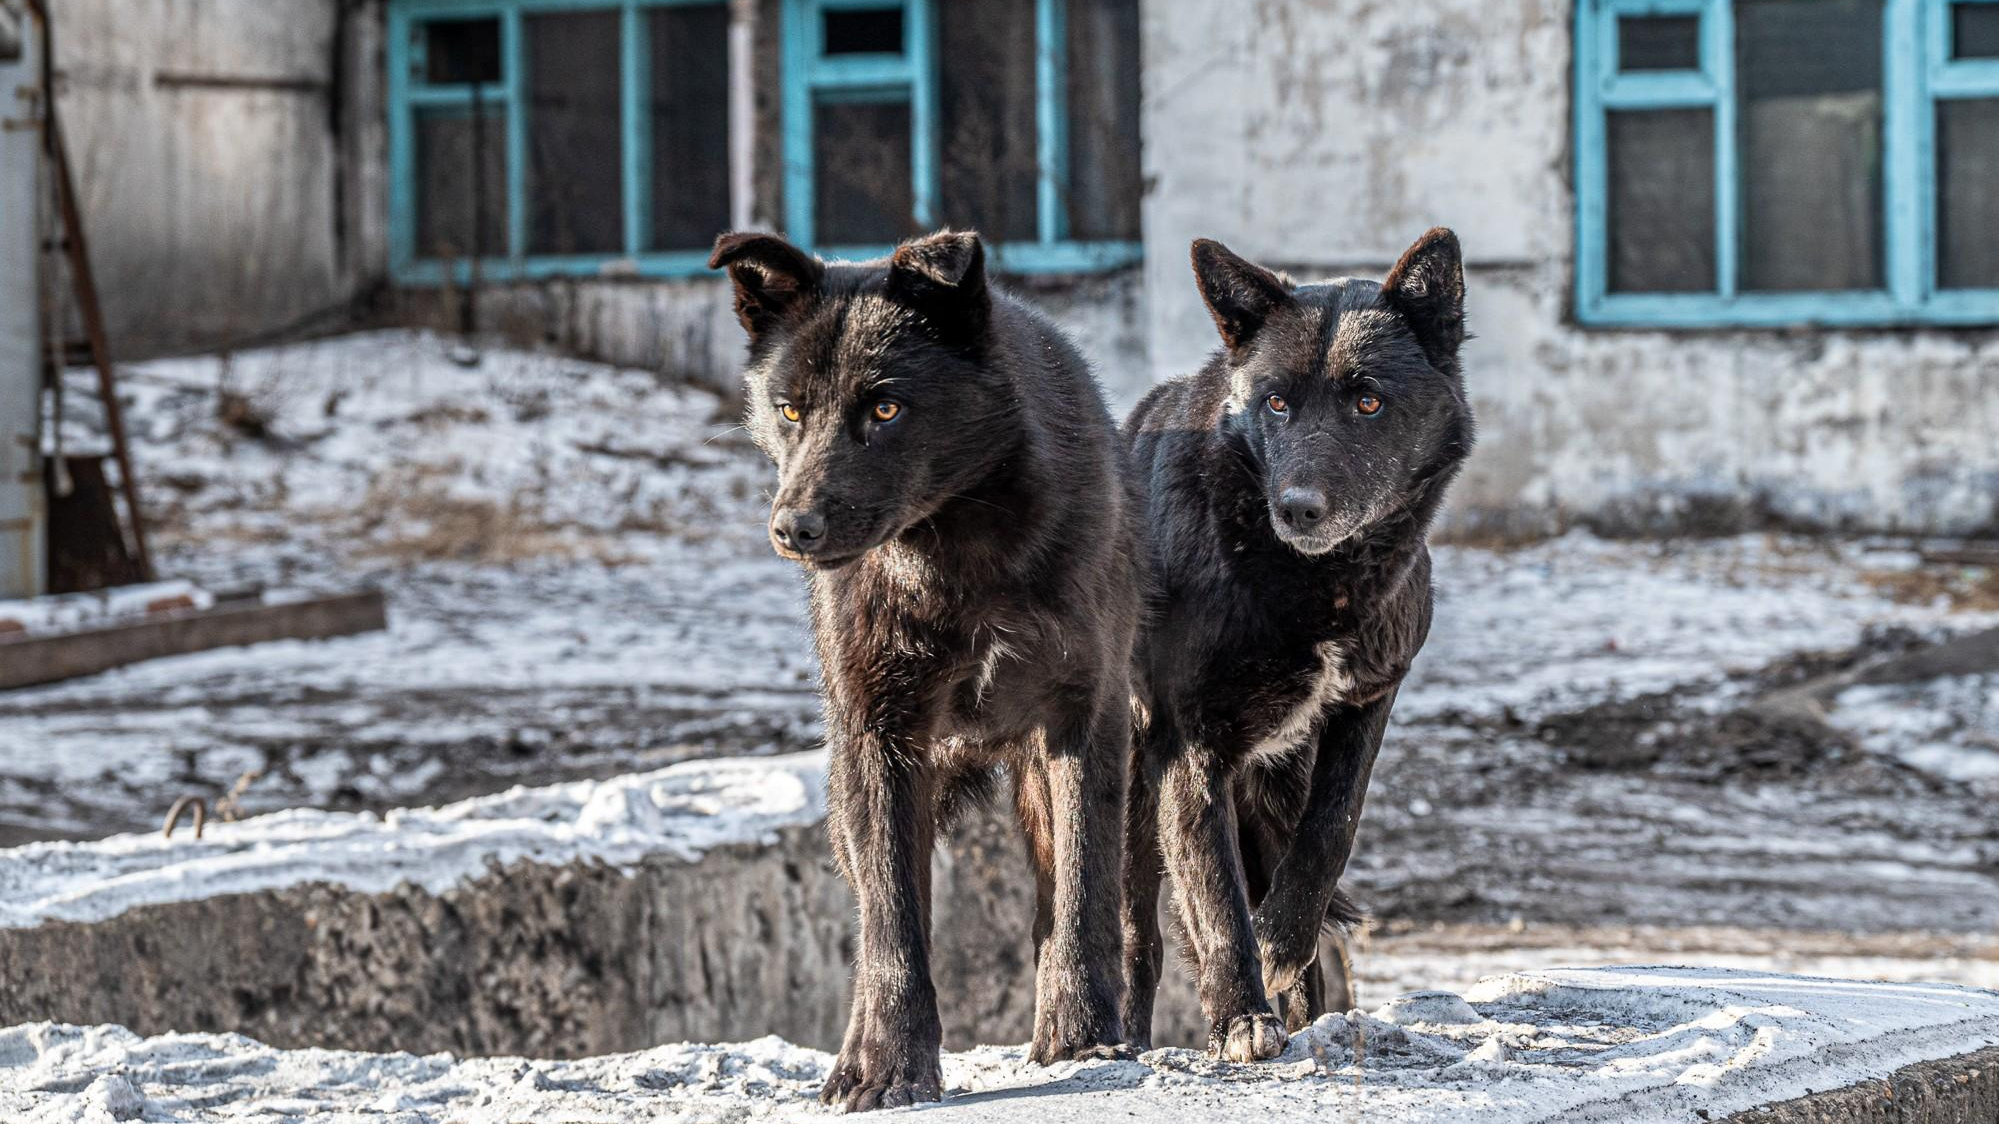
(1291, 484)
(773, 278)
(951, 482)
(1427, 286)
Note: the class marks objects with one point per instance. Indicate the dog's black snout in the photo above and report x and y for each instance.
(1303, 508)
(798, 530)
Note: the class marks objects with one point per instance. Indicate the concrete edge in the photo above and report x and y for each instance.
(1960, 1090)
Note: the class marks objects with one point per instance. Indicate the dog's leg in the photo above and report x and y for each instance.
(1143, 868)
(1305, 1000)
(1303, 891)
(1079, 975)
(881, 816)
(1031, 803)
(1198, 827)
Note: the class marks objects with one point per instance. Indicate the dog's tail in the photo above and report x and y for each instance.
(1343, 914)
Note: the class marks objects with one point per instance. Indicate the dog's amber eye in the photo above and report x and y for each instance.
(886, 410)
(1277, 404)
(1368, 404)
(788, 411)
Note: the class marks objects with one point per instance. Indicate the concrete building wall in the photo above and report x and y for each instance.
(1325, 135)
(205, 140)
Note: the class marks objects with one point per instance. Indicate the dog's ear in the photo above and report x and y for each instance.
(1240, 294)
(1428, 288)
(773, 277)
(943, 272)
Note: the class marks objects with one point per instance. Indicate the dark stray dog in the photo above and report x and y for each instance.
(1289, 487)
(953, 483)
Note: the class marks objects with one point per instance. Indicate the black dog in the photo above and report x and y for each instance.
(951, 479)
(1289, 487)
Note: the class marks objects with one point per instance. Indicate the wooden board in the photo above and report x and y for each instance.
(33, 660)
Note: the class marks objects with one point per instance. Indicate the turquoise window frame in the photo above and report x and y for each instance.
(409, 96)
(1917, 73)
(811, 77)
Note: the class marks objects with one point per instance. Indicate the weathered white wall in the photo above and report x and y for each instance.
(23, 523)
(687, 328)
(202, 134)
(1324, 135)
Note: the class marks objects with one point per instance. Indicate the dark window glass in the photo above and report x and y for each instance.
(690, 125)
(1809, 72)
(1104, 184)
(461, 172)
(1661, 205)
(575, 183)
(1974, 31)
(986, 97)
(1968, 194)
(461, 51)
(1659, 43)
(863, 31)
(862, 193)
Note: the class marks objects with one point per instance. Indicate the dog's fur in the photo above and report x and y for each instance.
(975, 599)
(1288, 545)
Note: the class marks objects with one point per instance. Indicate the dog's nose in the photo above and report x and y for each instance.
(798, 530)
(1303, 508)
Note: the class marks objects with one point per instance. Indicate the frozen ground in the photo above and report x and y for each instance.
(580, 589)
(1629, 1045)
(575, 565)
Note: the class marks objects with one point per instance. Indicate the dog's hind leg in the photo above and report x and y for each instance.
(1031, 803)
(1198, 827)
(1079, 976)
(1144, 948)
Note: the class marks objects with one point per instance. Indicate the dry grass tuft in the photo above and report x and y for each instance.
(409, 515)
(1962, 588)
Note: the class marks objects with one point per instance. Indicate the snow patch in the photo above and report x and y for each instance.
(1631, 1045)
(1947, 727)
(69, 612)
(682, 811)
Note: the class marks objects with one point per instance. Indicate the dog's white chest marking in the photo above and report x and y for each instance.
(1332, 683)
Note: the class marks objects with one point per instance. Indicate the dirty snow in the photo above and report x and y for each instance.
(574, 560)
(1946, 727)
(1396, 957)
(1627, 1045)
(73, 611)
(680, 811)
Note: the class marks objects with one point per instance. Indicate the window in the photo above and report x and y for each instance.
(1017, 118)
(557, 136)
(1769, 162)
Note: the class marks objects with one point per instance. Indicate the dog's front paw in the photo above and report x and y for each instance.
(1254, 1037)
(883, 1079)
